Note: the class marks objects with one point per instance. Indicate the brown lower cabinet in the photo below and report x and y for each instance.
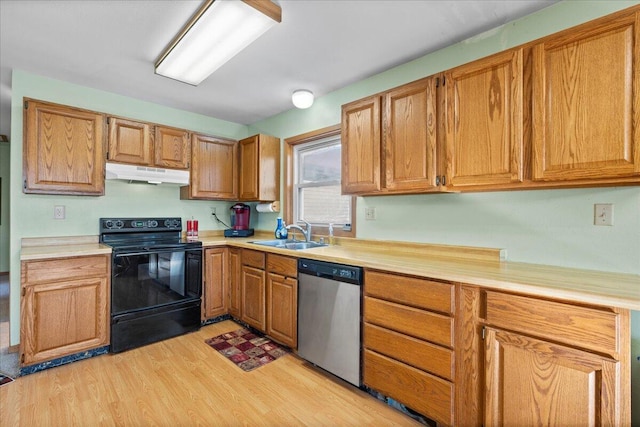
(216, 281)
(408, 342)
(462, 355)
(253, 285)
(282, 299)
(64, 307)
(235, 282)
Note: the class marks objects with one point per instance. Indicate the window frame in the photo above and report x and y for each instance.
(290, 143)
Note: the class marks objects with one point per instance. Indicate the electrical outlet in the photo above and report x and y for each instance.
(603, 214)
(58, 212)
(370, 214)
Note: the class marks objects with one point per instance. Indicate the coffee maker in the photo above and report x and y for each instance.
(240, 215)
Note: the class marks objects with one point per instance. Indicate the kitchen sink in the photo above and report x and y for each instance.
(289, 244)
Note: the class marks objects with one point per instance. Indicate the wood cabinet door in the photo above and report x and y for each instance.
(216, 282)
(235, 283)
(172, 148)
(586, 105)
(484, 121)
(409, 136)
(63, 318)
(63, 150)
(361, 146)
(249, 168)
(533, 382)
(282, 309)
(129, 141)
(214, 168)
(253, 297)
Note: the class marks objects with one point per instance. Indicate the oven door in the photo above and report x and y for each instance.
(150, 279)
(155, 295)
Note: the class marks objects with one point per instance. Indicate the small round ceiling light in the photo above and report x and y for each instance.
(302, 98)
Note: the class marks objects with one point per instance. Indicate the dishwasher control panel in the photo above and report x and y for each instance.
(339, 272)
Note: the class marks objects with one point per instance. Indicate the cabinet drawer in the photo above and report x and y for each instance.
(422, 392)
(417, 353)
(408, 320)
(583, 327)
(283, 265)
(422, 293)
(253, 258)
(51, 270)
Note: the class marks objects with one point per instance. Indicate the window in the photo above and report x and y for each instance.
(314, 187)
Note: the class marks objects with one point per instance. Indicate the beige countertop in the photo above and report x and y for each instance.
(465, 265)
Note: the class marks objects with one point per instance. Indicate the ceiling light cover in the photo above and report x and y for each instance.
(220, 30)
(302, 98)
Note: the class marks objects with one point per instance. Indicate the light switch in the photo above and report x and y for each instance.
(603, 214)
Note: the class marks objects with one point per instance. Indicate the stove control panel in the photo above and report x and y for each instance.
(116, 225)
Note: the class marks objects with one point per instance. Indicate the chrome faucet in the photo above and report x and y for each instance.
(306, 233)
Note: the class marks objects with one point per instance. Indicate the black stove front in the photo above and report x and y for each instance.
(156, 280)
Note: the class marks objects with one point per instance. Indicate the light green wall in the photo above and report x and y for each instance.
(4, 206)
(32, 215)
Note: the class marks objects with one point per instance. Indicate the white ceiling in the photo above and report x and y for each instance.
(321, 45)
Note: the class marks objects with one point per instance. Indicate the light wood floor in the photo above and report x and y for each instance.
(184, 382)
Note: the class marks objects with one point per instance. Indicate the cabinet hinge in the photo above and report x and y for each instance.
(22, 358)
(444, 180)
(438, 180)
(24, 184)
(437, 81)
(24, 291)
(26, 105)
(483, 332)
(443, 80)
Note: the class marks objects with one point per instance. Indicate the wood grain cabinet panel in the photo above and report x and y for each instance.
(411, 321)
(584, 327)
(282, 305)
(412, 291)
(130, 141)
(361, 138)
(533, 382)
(214, 169)
(484, 121)
(172, 148)
(259, 168)
(254, 297)
(586, 109)
(422, 392)
(235, 283)
(65, 308)
(282, 299)
(64, 150)
(216, 282)
(409, 136)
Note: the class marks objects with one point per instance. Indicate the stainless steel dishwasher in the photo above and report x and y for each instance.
(329, 317)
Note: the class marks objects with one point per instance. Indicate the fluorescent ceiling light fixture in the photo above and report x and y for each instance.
(302, 98)
(215, 34)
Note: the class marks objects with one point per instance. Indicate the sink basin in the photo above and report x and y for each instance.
(289, 244)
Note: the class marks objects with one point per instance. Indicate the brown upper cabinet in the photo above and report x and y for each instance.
(483, 124)
(63, 150)
(361, 146)
(409, 136)
(214, 169)
(562, 111)
(146, 144)
(586, 105)
(259, 168)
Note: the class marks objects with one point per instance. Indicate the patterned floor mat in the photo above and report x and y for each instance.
(246, 349)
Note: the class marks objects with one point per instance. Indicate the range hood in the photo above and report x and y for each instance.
(147, 174)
